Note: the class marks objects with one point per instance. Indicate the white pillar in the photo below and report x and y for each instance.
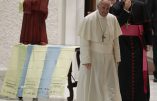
(74, 14)
(61, 20)
(80, 16)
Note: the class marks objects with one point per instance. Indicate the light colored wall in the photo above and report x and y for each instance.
(74, 14)
(58, 24)
(10, 24)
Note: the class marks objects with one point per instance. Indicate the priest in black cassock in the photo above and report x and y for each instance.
(136, 36)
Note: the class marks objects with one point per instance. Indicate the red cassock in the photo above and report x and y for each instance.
(33, 26)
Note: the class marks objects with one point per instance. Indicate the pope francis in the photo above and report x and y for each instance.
(100, 55)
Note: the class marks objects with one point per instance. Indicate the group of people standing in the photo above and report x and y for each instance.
(114, 42)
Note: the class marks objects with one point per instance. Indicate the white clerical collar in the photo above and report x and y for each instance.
(101, 17)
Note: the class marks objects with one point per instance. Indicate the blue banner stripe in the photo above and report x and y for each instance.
(24, 71)
(49, 66)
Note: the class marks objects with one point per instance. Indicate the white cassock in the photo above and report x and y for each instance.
(101, 82)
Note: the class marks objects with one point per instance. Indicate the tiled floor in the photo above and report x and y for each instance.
(153, 89)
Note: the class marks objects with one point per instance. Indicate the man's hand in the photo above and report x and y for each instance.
(148, 48)
(88, 66)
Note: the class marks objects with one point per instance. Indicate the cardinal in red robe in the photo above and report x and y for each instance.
(33, 26)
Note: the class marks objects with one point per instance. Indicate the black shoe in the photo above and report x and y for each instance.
(35, 99)
(20, 98)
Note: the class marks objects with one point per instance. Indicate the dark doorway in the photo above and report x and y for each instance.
(90, 6)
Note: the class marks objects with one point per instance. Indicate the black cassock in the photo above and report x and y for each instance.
(134, 83)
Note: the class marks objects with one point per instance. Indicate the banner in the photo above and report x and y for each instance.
(38, 71)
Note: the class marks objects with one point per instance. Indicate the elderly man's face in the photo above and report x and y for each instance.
(104, 8)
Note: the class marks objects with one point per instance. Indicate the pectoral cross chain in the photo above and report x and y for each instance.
(103, 37)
